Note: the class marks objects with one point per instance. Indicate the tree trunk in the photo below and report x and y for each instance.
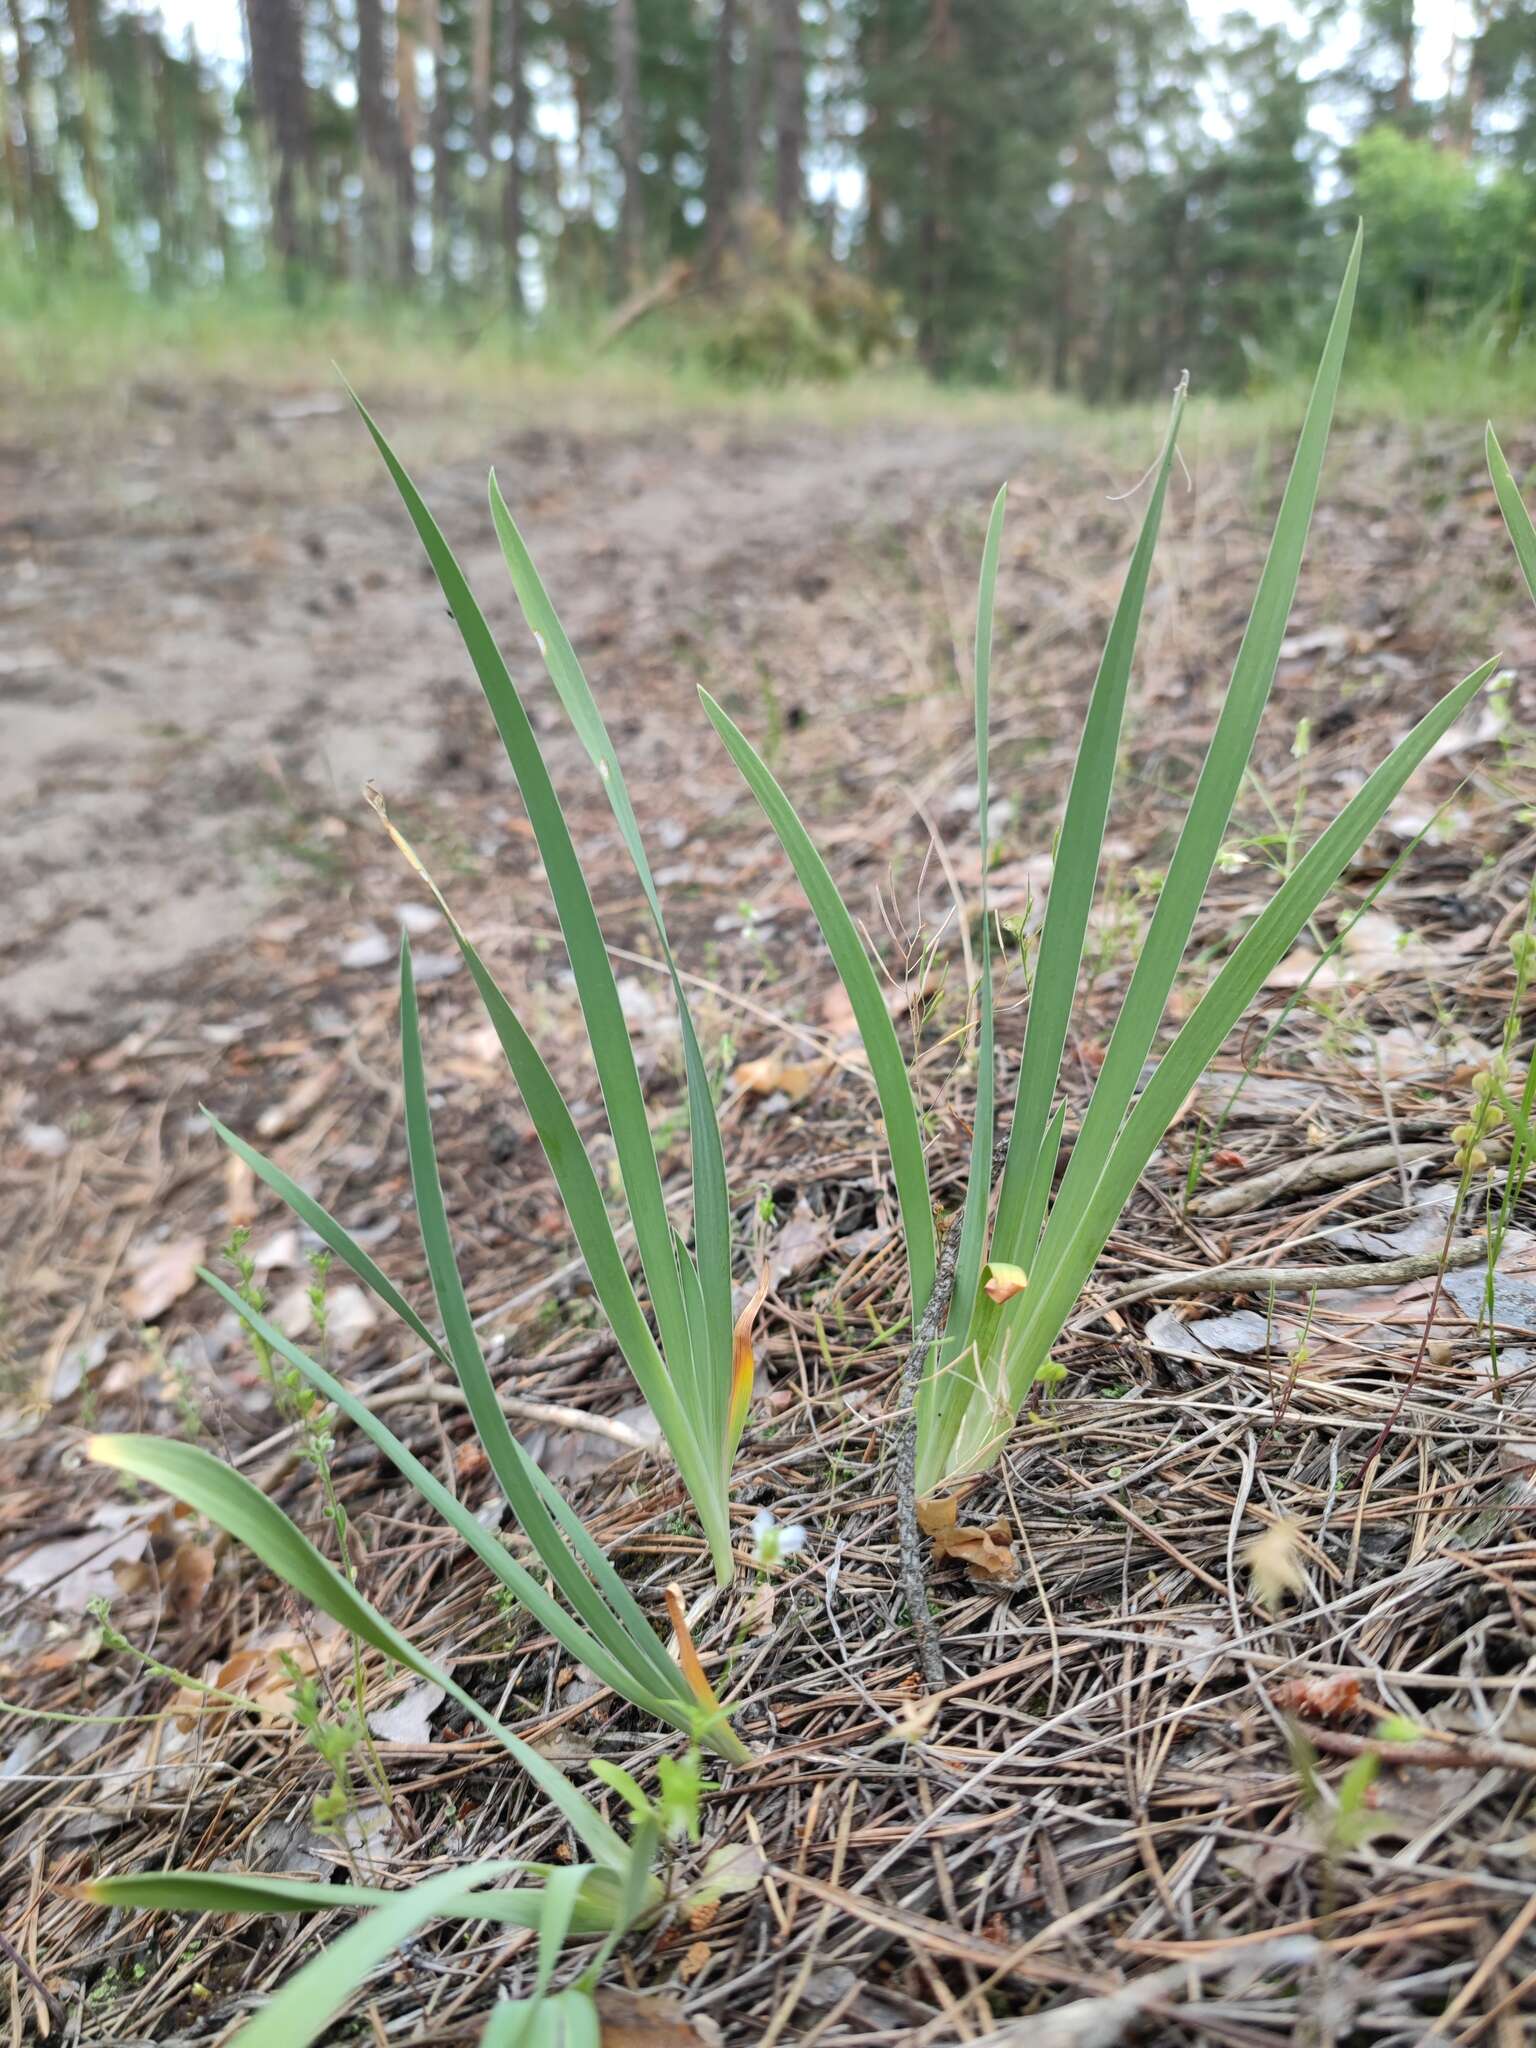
(277, 88)
(17, 183)
(1066, 299)
(513, 221)
(42, 186)
(754, 86)
(874, 55)
(432, 24)
(408, 123)
(626, 68)
(788, 111)
(380, 139)
(933, 331)
(1407, 40)
(720, 178)
(85, 86)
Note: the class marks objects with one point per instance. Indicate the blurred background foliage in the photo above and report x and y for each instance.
(1080, 194)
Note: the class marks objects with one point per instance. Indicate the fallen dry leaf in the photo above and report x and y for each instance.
(162, 1273)
(409, 1718)
(1324, 1699)
(770, 1076)
(79, 1569)
(239, 1192)
(802, 1244)
(630, 2019)
(1003, 1282)
(1374, 948)
(1274, 1563)
(306, 1094)
(987, 1554)
(260, 1675)
(190, 1576)
(56, 1648)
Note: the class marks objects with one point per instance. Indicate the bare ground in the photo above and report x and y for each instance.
(214, 631)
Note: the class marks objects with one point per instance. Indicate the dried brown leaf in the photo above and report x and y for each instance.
(987, 1554)
(631, 2019)
(1323, 1699)
(162, 1274)
(771, 1076)
(191, 1574)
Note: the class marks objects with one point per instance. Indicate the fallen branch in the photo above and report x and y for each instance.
(551, 1412)
(1300, 1176)
(1480, 1753)
(913, 1583)
(1264, 1279)
(672, 282)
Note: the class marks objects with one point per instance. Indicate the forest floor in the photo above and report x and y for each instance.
(214, 629)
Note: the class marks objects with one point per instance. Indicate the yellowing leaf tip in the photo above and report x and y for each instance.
(1003, 1282)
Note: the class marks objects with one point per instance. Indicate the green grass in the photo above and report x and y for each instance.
(65, 337)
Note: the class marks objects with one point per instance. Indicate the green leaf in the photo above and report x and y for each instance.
(229, 1500)
(608, 1034)
(562, 1145)
(1512, 505)
(566, 2020)
(946, 1388)
(711, 1200)
(1027, 1171)
(309, 2001)
(329, 1231)
(513, 1467)
(882, 1048)
(626, 1653)
(994, 1403)
(229, 1891)
(1068, 1253)
(1226, 763)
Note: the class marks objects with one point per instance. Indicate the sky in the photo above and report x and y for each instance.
(219, 32)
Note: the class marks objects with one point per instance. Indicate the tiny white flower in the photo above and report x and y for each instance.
(770, 1543)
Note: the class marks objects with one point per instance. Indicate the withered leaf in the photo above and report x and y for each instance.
(987, 1554)
(163, 1273)
(191, 1575)
(770, 1076)
(631, 2020)
(1328, 1698)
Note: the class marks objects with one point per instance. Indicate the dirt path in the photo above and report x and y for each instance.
(211, 634)
(207, 644)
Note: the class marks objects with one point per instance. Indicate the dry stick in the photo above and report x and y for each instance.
(1260, 1279)
(555, 1413)
(1300, 1176)
(913, 1584)
(1478, 1753)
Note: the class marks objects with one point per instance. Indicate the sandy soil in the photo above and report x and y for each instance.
(209, 639)
(215, 624)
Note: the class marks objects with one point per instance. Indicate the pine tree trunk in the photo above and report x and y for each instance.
(85, 86)
(754, 88)
(277, 88)
(933, 335)
(17, 184)
(437, 133)
(1407, 40)
(720, 178)
(788, 111)
(380, 139)
(513, 219)
(42, 191)
(626, 66)
(408, 122)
